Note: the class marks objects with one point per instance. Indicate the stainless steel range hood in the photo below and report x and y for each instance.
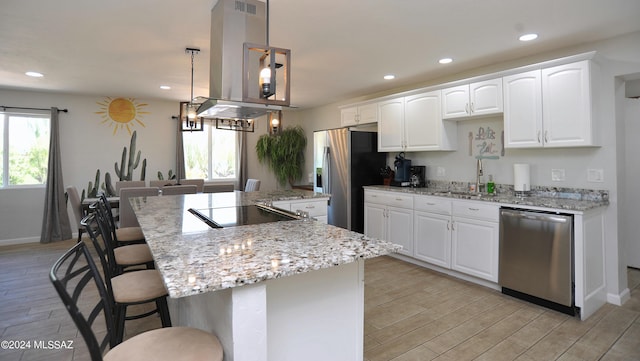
(234, 23)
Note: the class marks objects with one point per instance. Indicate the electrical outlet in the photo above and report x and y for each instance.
(595, 175)
(557, 175)
(441, 172)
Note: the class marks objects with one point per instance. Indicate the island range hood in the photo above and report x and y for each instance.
(239, 51)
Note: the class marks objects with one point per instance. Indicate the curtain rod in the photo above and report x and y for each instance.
(23, 108)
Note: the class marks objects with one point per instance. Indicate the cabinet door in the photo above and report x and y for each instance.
(400, 228)
(423, 125)
(523, 110)
(432, 238)
(455, 102)
(474, 248)
(349, 116)
(374, 221)
(486, 97)
(390, 125)
(368, 113)
(566, 100)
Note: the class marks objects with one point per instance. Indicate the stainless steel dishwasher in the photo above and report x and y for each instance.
(536, 257)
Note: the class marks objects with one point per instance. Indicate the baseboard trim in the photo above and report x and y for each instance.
(619, 299)
(15, 241)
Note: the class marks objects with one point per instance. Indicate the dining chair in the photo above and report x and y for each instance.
(127, 216)
(76, 205)
(161, 183)
(216, 188)
(253, 185)
(126, 256)
(129, 184)
(199, 183)
(129, 288)
(179, 189)
(76, 279)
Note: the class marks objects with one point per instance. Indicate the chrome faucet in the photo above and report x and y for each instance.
(478, 175)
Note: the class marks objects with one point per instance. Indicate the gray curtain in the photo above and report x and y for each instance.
(242, 160)
(179, 152)
(55, 221)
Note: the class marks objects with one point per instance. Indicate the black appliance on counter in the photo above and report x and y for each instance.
(402, 167)
(418, 176)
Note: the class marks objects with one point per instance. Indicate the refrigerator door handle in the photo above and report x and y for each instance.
(326, 171)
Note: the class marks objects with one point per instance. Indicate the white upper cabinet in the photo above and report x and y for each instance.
(391, 125)
(359, 114)
(475, 99)
(414, 123)
(523, 110)
(566, 105)
(551, 107)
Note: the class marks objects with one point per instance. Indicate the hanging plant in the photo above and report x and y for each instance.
(283, 153)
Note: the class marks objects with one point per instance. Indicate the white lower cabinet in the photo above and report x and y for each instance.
(389, 217)
(475, 239)
(432, 230)
(316, 208)
(452, 234)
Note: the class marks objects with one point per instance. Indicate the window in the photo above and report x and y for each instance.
(211, 153)
(24, 148)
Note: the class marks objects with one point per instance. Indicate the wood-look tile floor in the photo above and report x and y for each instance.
(410, 314)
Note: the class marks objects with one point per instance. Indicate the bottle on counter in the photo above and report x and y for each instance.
(491, 186)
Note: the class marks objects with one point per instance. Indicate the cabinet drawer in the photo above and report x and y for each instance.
(392, 199)
(314, 208)
(432, 204)
(476, 210)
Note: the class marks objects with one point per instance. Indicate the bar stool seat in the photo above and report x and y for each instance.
(138, 286)
(132, 255)
(171, 343)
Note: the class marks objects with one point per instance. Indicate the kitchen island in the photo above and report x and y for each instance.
(287, 290)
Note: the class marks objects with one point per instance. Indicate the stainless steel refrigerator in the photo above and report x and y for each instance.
(346, 160)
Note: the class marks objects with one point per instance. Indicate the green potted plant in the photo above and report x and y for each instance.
(283, 153)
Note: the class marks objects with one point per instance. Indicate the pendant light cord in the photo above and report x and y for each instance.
(267, 23)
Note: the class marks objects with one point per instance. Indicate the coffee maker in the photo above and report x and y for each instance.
(402, 171)
(418, 178)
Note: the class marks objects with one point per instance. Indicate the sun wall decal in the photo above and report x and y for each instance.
(122, 113)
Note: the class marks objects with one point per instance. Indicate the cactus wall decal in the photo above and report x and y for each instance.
(123, 173)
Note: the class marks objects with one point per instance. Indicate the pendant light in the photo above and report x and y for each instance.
(188, 117)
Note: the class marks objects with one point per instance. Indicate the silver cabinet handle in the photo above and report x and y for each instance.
(398, 199)
(430, 204)
(466, 108)
(472, 108)
(448, 225)
(539, 137)
(310, 207)
(452, 227)
(474, 209)
(546, 139)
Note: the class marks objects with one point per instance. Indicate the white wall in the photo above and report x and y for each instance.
(87, 144)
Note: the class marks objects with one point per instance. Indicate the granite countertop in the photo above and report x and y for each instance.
(574, 201)
(194, 258)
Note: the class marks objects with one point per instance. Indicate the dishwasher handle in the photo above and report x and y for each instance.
(536, 216)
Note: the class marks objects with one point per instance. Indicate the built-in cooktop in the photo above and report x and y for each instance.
(241, 215)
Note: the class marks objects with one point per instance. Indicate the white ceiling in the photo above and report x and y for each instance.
(340, 48)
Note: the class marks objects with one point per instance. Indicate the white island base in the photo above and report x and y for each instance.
(317, 315)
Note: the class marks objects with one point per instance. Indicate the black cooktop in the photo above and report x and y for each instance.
(240, 216)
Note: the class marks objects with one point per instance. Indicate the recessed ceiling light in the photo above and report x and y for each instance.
(34, 74)
(165, 87)
(445, 60)
(389, 77)
(528, 37)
